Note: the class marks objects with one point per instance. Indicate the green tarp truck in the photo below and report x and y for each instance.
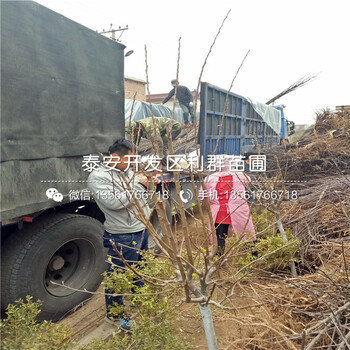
(62, 98)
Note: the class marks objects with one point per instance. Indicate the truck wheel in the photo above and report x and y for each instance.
(63, 248)
(156, 224)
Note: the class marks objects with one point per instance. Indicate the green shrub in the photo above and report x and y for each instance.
(154, 326)
(149, 335)
(20, 331)
(268, 241)
(150, 299)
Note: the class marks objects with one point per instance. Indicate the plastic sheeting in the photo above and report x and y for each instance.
(141, 110)
(270, 115)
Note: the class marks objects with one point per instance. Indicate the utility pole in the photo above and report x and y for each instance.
(113, 31)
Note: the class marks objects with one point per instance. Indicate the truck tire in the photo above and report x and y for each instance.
(64, 248)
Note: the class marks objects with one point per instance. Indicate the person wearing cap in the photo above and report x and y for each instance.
(185, 98)
(153, 129)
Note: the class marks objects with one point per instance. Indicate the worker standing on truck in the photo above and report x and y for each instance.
(185, 98)
(154, 129)
(112, 184)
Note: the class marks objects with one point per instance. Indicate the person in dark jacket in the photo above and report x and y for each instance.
(185, 98)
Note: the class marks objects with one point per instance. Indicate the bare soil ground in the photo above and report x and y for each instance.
(85, 321)
(267, 310)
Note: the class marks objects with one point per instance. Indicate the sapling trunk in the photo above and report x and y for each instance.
(186, 265)
(285, 239)
(208, 326)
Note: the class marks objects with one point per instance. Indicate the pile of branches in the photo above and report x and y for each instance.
(325, 151)
(318, 168)
(185, 142)
(329, 291)
(308, 312)
(321, 213)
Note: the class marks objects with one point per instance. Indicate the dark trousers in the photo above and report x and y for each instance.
(187, 111)
(221, 234)
(128, 245)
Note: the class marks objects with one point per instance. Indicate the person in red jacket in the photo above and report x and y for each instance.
(230, 211)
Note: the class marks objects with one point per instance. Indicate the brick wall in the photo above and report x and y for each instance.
(133, 85)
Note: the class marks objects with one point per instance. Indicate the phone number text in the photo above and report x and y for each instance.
(251, 195)
(131, 194)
